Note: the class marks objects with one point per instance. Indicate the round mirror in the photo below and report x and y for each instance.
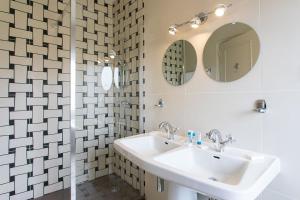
(179, 63)
(231, 52)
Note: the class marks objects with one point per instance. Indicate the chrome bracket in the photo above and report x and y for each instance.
(160, 184)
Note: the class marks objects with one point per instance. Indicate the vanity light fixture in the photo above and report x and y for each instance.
(200, 18)
(195, 22)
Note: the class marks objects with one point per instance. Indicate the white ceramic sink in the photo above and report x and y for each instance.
(206, 165)
(235, 174)
(149, 145)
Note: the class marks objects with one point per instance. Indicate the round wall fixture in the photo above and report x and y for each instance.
(106, 78)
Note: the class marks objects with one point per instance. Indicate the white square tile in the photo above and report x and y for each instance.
(4, 174)
(21, 48)
(52, 76)
(52, 52)
(19, 87)
(52, 101)
(4, 117)
(38, 138)
(21, 6)
(53, 150)
(38, 62)
(20, 128)
(4, 28)
(4, 59)
(4, 6)
(38, 190)
(21, 183)
(20, 101)
(4, 145)
(21, 157)
(66, 89)
(37, 86)
(37, 114)
(22, 196)
(52, 126)
(52, 188)
(20, 20)
(4, 87)
(6, 73)
(38, 166)
(37, 37)
(38, 11)
(18, 60)
(20, 115)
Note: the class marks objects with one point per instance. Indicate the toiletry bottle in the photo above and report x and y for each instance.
(199, 139)
(190, 136)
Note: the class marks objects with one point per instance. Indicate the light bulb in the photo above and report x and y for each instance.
(112, 54)
(172, 30)
(220, 10)
(195, 22)
(106, 59)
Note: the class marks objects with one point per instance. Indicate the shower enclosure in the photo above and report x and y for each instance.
(108, 69)
(109, 44)
(71, 83)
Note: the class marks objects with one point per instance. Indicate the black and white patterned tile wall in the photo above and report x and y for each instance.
(173, 63)
(95, 117)
(129, 44)
(35, 93)
(34, 98)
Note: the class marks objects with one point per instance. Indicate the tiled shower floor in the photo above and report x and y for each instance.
(109, 187)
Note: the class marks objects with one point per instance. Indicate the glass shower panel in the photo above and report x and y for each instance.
(94, 99)
(107, 97)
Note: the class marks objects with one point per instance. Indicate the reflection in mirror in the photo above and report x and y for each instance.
(179, 63)
(116, 77)
(106, 78)
(231, 52)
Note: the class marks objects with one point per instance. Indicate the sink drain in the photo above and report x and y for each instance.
(213, 179)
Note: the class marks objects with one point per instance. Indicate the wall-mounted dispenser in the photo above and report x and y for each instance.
(261, 106)
(160, 103)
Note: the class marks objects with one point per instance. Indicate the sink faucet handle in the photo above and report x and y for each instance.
(214, 135)
(229, 139)
(175, 129)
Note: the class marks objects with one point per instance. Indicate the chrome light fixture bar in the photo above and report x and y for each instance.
(200, 18)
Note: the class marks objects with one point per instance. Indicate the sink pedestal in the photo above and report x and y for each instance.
(178, 192)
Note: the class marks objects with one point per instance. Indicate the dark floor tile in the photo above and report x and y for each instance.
(109, 187)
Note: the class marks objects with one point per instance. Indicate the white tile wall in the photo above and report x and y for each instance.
(203, 104)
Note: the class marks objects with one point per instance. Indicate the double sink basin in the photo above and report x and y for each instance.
(234, 174)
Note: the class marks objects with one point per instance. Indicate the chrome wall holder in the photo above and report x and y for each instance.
(261, 106)
(160, 185)
(160, 103)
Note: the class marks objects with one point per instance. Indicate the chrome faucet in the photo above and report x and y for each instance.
(215, 136)
(170, 130)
